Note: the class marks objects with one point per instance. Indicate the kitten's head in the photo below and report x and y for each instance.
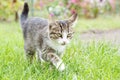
(61, 32)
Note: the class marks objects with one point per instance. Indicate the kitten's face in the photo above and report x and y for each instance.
(61, 32)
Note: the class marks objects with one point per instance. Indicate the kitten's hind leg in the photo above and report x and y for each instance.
(56, 61)
(29, 55)
(29, 50)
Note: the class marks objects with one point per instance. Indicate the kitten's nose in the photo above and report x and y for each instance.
(64, 43)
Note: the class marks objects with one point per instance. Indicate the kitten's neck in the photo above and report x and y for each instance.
(56, 47)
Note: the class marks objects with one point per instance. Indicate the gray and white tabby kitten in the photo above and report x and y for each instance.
(47, 39)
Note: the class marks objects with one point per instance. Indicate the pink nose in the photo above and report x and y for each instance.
(63, 43)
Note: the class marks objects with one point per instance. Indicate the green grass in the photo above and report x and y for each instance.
(93, 61)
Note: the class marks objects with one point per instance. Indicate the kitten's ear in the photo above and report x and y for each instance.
(50, 23)
(50, 26)
(72, 19)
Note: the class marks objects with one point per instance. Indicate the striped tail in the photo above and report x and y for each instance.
(24, 14)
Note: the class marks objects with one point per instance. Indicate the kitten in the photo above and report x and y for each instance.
(47, 39)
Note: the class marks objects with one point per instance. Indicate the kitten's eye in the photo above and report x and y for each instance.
(69, 36)
(59, 35)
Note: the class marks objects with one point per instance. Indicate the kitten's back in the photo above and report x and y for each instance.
(36, 22)
(34, 26)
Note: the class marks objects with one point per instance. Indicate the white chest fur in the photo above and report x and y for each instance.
(56, 47)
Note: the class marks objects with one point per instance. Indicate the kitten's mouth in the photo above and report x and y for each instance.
(64, 43)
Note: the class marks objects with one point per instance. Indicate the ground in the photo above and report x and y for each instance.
(84, 61)
(112, 35)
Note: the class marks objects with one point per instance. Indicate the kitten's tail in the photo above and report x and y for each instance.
(24, 14)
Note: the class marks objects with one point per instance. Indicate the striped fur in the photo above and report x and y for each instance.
(47, 39)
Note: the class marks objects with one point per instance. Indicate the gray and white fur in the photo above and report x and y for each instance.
(47, 39)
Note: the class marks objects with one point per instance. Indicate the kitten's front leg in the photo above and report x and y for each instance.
(39, 55)
(56, 61)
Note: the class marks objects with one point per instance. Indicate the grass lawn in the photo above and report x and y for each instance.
(93, 61)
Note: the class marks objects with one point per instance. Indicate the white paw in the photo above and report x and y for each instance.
(60, 66)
